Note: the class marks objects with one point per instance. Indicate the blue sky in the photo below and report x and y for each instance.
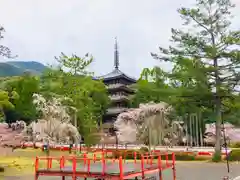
(41, 29)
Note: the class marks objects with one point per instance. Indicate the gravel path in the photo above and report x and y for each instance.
(185, 171)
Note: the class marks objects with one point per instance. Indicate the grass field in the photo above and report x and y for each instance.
(21, 161)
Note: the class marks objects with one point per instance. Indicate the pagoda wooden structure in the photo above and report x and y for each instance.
(118, 85)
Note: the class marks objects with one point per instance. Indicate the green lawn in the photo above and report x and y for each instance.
(21, 161)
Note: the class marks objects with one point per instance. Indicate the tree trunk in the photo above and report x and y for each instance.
(218, 126)
(218, 113)
(218, 99)
(197, 130)
(201, 128)
(191, 132)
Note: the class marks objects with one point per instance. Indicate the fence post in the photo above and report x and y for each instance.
(94, 157)
(84, 159)
(147, 157)
(160, 167)
(62, 162)
(88, 165)
(120, 168)
(151, 159)
(48, 162)
(62, 165)
(74, 166)
(36, 168)
(173, 166)
(103, 164)
(135, 157)
(166, 158)
(142, 166)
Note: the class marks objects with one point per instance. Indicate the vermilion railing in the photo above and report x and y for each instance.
(155, 162)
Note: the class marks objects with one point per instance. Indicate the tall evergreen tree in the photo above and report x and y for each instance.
(205, 54)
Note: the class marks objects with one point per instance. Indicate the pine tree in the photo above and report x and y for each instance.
(205, 55)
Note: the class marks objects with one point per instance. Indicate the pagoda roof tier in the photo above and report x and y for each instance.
(119, 86)
(115, 110)
(118, 98)
(116, 74)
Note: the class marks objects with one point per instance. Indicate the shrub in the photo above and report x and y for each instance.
(180, 157)
(116, 153)
(185, 157)
(126, 154)
(144, 149)
(234, 155)
(129, 154)
(235, 145)
(202, 158)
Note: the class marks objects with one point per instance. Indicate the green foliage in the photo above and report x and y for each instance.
(91, 139)
(52, 81)
(144, 149)
(151, 87)
(205, 58)
(235, 145)
(5, 100)
(21, 91)
(86, 98)
(2, 118)
(183, 156)
(5, 105)
(89, 98)
(234, 155)
(180, 157)
(231, 109)
(16, 93)
(75, 64)
(126, 154)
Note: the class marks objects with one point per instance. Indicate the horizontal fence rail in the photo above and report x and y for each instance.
(107, 163)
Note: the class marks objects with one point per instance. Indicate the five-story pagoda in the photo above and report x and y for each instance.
(117, 84)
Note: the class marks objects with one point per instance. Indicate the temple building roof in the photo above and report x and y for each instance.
(120, 87)
(116, 73)
(116, 110)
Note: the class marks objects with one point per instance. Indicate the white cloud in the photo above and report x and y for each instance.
(41, 29)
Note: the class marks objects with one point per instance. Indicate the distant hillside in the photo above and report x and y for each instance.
(16, 68)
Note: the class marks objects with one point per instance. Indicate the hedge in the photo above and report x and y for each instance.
(235, 145)
(180, 156)
(234, 155)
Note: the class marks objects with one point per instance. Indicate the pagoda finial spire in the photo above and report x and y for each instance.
(116, 54)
